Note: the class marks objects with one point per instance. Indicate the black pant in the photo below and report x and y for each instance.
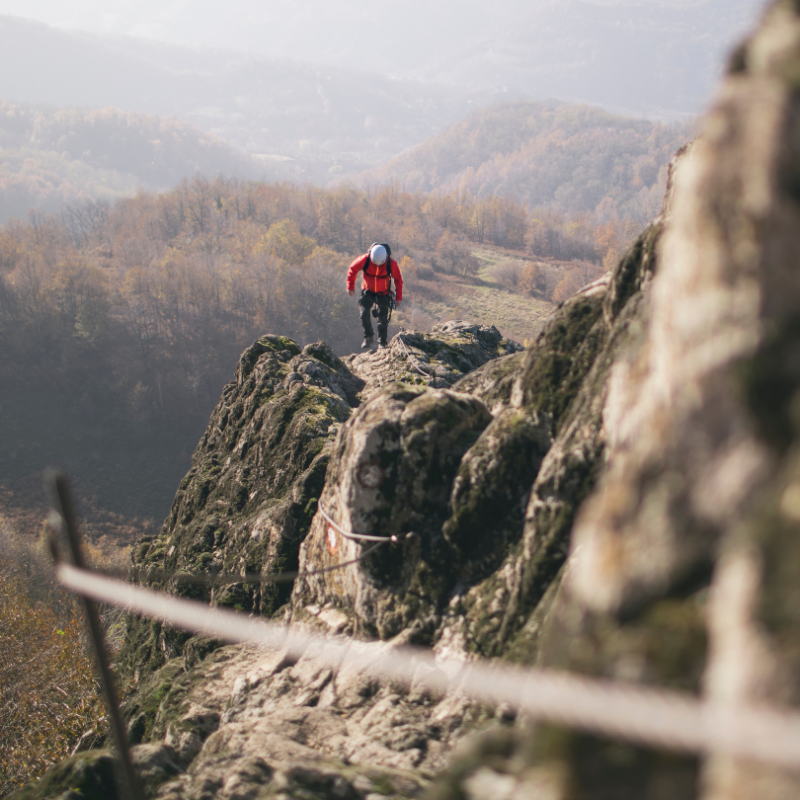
(366, 302)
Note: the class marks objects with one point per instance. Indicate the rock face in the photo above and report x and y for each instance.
(621, 499)
(438, 360)
(392, 472)
(251, 494)
(485, 461)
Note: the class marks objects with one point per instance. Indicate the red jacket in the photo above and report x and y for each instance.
(376, 278)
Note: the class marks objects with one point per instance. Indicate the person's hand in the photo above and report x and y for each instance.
(351, 292)
(397, 302)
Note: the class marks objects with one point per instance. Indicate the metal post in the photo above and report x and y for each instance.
(132, 788)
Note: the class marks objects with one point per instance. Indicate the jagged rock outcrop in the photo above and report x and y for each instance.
(251, 492)
(460, 467)
(439, 360)
(488, 475)
(620, 499)
(391, 472)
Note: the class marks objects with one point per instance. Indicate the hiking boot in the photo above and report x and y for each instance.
(367, 343)
(382, 345)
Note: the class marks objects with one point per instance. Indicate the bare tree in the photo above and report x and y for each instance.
(85, 221)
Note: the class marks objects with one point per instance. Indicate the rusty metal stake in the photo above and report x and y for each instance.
(132, 788)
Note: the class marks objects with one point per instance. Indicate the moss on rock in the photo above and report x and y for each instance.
(392, 470)
(491, 490)
(87, 776)
(243, 507)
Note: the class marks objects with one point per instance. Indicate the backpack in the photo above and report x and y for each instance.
(388, 264)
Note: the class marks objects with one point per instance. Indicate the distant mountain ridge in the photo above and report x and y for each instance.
(305, 122)
(661, 59)
(49, 157)
(565, 157)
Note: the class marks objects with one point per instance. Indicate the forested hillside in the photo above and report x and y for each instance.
(49, 157)
(119, 322)
(572, 158)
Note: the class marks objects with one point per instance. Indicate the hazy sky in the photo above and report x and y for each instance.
(661, 58)
(348, 32)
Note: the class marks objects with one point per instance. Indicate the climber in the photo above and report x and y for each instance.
(379, 271)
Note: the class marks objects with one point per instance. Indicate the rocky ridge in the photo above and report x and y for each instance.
(458, 436)
(482, 450)
(245, 506)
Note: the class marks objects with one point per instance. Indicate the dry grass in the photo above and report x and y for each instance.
(50, 698)
(479, 298)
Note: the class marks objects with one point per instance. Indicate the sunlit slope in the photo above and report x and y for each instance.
(478, 298)
(565, 156)
(50, 157)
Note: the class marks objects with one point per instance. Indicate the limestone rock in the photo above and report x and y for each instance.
(437, 359)
(249, 720)
(93, 775)
(391, 473)
(250, 495)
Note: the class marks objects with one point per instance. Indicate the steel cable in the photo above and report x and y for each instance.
(414, 363)
(361, 537)
(150, 573)
(646, 716)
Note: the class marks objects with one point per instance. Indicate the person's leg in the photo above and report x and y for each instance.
(383, 317)
(365, 302)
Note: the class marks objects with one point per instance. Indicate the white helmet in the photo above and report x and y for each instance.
(377, 254)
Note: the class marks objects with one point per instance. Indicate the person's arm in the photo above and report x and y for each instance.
(355, 268)
(398, 281)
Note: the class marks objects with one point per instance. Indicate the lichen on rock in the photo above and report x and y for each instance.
(437, 359)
